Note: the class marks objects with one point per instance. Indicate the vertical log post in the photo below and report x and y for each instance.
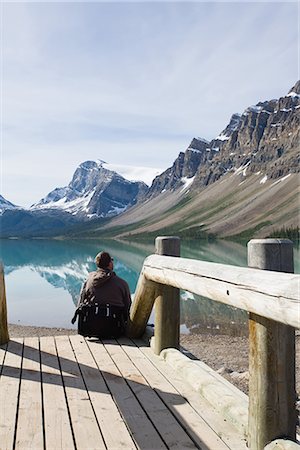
(272, 393)
(4, 337)
(167, 304)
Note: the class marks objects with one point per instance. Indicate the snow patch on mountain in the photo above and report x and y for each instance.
(195, 150)
(281, 179)
(74, 207)
(293, 95)
(222, 137)
(115, 211)
(242, 169)
(253, 109)
(94, 191)
(263, 180)
(186, 182)
(5, 204)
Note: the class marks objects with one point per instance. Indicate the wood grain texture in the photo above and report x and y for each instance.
(9, 393)
(58, 432)
(171, 431)
(30, 426)
(272, 393)
(208, 426)
(86, 431)
(269, 294)
(167, 318)
(195, 426)
(144, 298)
(111, 397)
(167, 303)
(229, 401)
(141, 428)
(115, 436)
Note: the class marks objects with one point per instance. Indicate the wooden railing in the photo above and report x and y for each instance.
(272, 300)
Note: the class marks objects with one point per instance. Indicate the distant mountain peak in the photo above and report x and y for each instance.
(295, 90)
(90, 164)
(94, 191)
(5, 204)
(198, 145)
(233, 125)
(201, 139)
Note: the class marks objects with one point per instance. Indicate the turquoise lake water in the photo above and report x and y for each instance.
(43, 279)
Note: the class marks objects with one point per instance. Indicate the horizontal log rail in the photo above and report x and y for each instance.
(270, 294)
(274, 295)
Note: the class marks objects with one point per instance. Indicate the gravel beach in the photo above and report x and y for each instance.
(16, 331)
(226, 354)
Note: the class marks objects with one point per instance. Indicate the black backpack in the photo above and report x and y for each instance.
(102, 321)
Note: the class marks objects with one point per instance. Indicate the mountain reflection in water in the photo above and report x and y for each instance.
(44, 278)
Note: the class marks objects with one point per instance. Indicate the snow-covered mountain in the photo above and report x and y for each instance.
(5, 205)
(94, 191)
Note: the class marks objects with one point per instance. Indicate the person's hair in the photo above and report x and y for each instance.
(103, 259)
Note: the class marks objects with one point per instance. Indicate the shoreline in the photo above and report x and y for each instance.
(17, 331)
(227, 355)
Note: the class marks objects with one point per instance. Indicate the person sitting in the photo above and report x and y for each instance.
(104, 302)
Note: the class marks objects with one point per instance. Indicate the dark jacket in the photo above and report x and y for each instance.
(104, 286)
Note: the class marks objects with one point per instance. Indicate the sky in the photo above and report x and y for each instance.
(130, 83)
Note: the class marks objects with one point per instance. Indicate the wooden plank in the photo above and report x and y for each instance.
(86, 431)
(173, 434)
(196, 427)
(212, 418)
(269, 294)
(114, 430)
(58, 433)
(143, 432)
(30, 423)
(9, 392)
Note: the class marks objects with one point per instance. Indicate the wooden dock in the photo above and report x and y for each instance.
(71, 393)
(67, 392)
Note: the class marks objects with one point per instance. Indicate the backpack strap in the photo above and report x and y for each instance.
(75, 315)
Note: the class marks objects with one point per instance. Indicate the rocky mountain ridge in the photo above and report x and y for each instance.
(184, 168)
(94, 191)
(265, 139)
